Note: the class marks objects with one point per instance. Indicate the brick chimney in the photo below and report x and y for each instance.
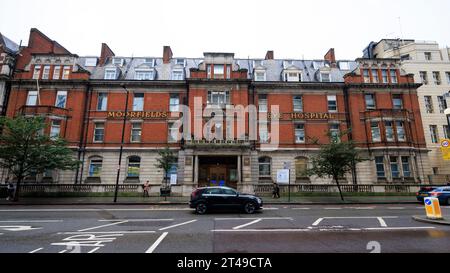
(105, 54)
(331, 57)
(167, 54)
(269, 55)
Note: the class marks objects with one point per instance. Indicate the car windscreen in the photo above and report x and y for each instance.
(213, 191)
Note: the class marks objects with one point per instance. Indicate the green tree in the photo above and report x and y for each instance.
(25, 150)
(165, 161)
(335, 159)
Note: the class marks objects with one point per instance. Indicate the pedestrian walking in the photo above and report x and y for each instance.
(11, 190)
(146, 187)
(275, 191)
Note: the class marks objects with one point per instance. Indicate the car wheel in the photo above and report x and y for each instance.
(201, 208)
(249, 208)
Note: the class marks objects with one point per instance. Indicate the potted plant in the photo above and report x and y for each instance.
(165, 161)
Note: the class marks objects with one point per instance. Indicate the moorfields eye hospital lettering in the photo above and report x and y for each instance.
(138, 114)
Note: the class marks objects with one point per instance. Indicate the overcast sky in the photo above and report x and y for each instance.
(293, 29)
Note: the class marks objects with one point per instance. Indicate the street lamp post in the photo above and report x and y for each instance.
(121, 144)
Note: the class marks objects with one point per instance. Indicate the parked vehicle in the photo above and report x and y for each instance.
(424, 192)
(441, 193)
(210, 198)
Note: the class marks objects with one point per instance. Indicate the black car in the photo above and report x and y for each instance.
(424, 192)
(205, 199)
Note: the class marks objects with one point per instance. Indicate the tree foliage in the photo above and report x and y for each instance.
(165, 161)
(335, 159)
(25, 150)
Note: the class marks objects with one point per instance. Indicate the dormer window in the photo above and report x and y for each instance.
(219, 71)
(344, 65)
(260, 76)
(288, 63)
(36, 72)
(149, 62)
(110, 74)
(117, 61)
(180, 62)
(144, 74)
(177, 75)
(325, 77)
(292, 77)
(257, 63)
(90, 62)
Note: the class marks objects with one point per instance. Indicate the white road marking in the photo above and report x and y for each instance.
(63, 251)
(261, 230)
(118, 233)
(396, 208)
(156, 243)
(36, 250)
(399, 228)
(248, 224)
(301, 208)
(251, 218)
(332, 208)
(95, 249)
(270, 208)
(107, 225)
(361, 217)
(135, 220)
(382, 222)
(18, 228)
(364, 208)
(177, 225)
(317, 222)
(31, 221)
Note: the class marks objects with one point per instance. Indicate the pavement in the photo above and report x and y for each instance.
(300, 200)
(149, 229)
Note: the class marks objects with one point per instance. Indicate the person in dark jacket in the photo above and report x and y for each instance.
(11, 189)
(276, 191)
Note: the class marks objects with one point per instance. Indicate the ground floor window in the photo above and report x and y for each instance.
(95, 167)
(405, 166)
(395, 170)
(264, 166)
(379, 162)
(134, 166)
(301, 165)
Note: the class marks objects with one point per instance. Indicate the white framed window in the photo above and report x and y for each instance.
(46, 72)
(325, 77)
(424, 77)
(299, 133)
(344, 65)
(138, 102)
(264, 164)
(437, 77)
(110, 74)
(37, 72)
(219, 98)
(394, 76)
(263, 132)
(180, 61)
(405, 166)
(292, 77)
(134, 166)
(397, 101)
(99, 131)
(334, 132)
(379, 163)
(395, 170)
(136, 132)
(332, 103)
(262, 103)
(117, 61)
(429, 104)
(143, 75)
(447, 75)
(434, 134)
(260, 76)
(366, 75)
(149, 62)
(298, 103)
(400, 131)
(173, 132)
(208, 71)
(384, 75)
(375, 130)
(66, 72)
(56, 72)
(228, 71)
(32, 98)
(375, 75)
(442, 104)
(370, 101)
(61, 99)
(177, 75)
(174, 103)
(219, 71)
(389, 131)
(428, 56)
(55, 129)
(102, 101)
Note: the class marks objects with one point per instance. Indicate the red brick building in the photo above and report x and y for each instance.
(84, 100)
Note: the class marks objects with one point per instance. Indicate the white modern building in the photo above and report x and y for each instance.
(430, 65)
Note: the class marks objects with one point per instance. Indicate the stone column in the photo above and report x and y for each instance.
(239, 167)
(196, 170)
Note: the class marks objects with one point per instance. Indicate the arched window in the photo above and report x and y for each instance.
(95, 166)
(301, 165)
(264, 166)
(134, 166)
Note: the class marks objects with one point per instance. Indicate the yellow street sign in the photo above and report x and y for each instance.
(445, 149)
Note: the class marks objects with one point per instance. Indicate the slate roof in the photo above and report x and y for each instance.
(8, 44)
